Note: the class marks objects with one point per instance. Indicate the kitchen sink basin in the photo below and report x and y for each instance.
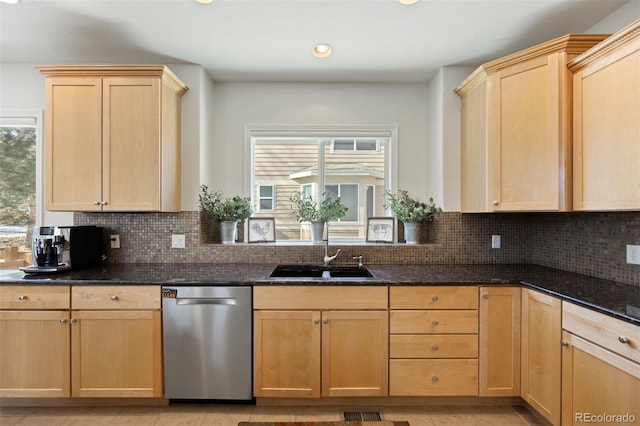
(318, 271)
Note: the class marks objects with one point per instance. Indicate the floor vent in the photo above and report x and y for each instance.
(367, 416)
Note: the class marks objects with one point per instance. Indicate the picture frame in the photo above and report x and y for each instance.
(261, 230)
(380, 230)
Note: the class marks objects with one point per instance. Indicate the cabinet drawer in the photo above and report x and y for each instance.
(307, 297)
(436, 322)
(115, 297)
(433, 346)
(34, 297)
(442, 377)
(603, 330)
(433, 297)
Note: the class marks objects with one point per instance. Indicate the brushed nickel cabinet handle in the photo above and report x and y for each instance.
(22, 297)
(434, 322)
(72, 321)
(434, 347)
(435, 298)
(495, 202)
(564, 343)
(485, 295)
(624, 339)
(114, 298)
(96, 203)
(63, 321)
(325, 321)
(104, 203)
(434, 379)
(316, 321)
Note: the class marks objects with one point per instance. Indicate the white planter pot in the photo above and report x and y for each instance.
(228, 230)
(412, 232)
(317, 231)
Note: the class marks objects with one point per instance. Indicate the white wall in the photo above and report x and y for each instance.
(316, 104)
(620, 18)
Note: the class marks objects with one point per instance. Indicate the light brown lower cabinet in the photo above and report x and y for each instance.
(304, 349)
(112, 351)
(600, 368)
(499, 341)
(541, 353)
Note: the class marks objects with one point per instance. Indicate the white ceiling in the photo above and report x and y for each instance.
(271, 40)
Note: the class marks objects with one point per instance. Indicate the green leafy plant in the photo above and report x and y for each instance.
(406, 209)
(305, 209)
(231, 209)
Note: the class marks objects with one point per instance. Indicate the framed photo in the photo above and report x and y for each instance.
(261, 229)
(380, 229)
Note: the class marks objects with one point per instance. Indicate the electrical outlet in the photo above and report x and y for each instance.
(633, 255)
(115, 241)
(177, 241)
(495, 241)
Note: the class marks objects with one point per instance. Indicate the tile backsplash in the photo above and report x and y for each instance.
(588, 243)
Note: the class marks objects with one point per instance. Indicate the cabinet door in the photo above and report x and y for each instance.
(73, 144)
(116, 354)
(596, 382)
(528, 131)
(286, 354)
(131, 144)
(355, 353)
(607, 132)
(541, 354)
(34, 354)
(499, 357)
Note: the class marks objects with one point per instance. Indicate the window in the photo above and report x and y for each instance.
(266, 198)
(18, 135)
(352, 168)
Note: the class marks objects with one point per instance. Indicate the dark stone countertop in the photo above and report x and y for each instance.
(609, 297)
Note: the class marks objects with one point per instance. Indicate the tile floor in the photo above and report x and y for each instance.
(229, 415)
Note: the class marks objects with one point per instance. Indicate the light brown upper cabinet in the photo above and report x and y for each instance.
(112, 138)
(606, 124)
(516, 129)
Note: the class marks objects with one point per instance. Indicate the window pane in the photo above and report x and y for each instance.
(266, 204)
(343, 145)
(17, 182)
(266, 191)
(349, 196)
(370, 201)
(366, 145)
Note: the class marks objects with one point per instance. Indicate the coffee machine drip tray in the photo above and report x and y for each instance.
(46, 269)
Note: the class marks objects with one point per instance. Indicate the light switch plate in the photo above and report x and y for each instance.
(495, 241)
(115, 241)
(177, 241)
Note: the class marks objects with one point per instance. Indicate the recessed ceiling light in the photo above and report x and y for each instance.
(408, 1)
(205, 1)
(321, 50)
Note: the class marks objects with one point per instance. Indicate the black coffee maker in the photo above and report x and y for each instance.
(59, 248)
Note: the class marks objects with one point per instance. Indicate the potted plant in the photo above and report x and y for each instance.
(412, 213)
(227, 211)
(305, 209)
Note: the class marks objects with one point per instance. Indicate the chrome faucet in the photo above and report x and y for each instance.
(328, 259)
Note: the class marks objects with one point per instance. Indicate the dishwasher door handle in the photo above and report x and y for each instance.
(229, 301)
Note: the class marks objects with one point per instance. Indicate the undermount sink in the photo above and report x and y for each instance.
(318, 271)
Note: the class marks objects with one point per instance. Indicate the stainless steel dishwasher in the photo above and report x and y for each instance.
(207, 341)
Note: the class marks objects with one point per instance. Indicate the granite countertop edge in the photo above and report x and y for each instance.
(609, 297)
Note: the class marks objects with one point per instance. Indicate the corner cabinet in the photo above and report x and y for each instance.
(606, 128)
(541, 353)
(320, 342)
(600, 368)
(499, 339)
(516, 129)
(112, 138)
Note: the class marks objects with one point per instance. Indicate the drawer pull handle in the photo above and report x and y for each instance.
(325, 321)
(316, 321)
(72, 321)
(114, 298)
(434, 379)
(434, 322)
(63, 321)
(22, 297)
(564, 343)
(96, 203)
(104, 203)
(435, 298)
(496, 202)
(624, 339)
(485, 296)
(434, 347)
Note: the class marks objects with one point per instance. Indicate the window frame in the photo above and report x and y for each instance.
(272, 198)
